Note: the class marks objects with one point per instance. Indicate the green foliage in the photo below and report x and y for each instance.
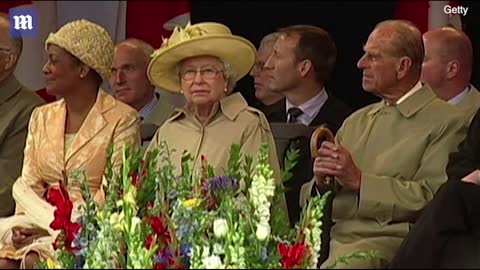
(289, 163)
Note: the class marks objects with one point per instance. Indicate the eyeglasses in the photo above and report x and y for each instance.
(205, 73)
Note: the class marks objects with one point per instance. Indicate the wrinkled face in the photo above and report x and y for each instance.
(378, 64)
(282, 67)
(129, 79)
(62, 70)
(260, 76)
(433, 67)
(203, 80)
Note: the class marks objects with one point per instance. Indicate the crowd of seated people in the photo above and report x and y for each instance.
(401, 167)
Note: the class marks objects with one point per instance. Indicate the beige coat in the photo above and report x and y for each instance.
(235, 122)
(402, 152)
(16, 106)
(109, 121)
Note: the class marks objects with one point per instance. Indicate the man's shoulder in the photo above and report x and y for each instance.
(441, 111)
(161, 112)
(27, 98)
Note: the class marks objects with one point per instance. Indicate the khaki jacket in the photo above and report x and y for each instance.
(402, 152)
(235, 122)
(16, 106)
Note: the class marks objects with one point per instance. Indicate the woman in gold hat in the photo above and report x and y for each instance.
(72, 133)
(204, 61)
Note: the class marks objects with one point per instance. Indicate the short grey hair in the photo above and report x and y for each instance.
(144, 46)
(406, 41)
(269, 39)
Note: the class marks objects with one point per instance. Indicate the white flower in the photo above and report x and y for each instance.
(218, 249)
(135, 222)
(213, 262)
(263, 230)
(220, 227)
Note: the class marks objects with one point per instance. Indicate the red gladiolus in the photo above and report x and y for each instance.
(160, 229)
(71, 229)
(149, 242)
(291, 255)
(59, 198)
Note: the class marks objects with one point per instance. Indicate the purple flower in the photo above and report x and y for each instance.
(185, 253)
(221, 183)
(164, 256)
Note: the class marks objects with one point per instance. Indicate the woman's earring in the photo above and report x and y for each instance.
(225, 90)
(181, 91)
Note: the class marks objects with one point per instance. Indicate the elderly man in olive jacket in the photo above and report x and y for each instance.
(16, 105)
(389, 158)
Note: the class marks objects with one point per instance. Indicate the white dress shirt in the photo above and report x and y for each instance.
(310, 108)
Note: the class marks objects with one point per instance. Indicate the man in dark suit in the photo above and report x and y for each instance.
(302, 61)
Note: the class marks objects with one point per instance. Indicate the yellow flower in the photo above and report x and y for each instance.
(51, 264)
(231, 267)
(190, 203)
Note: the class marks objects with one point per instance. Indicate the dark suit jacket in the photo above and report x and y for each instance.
(447, 234)
(332, 113)
(467, 159)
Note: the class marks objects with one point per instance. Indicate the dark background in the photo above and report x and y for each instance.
(348, 22)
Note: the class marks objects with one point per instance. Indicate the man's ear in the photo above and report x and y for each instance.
(304, 67)
(453, 68)
(11, 60)
(403, 67)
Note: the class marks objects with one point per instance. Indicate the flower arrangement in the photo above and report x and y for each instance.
(153, 218)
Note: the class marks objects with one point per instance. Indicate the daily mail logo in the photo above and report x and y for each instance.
(23, 22)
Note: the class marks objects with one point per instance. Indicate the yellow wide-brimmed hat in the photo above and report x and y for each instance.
(207, 38)
(87, 41)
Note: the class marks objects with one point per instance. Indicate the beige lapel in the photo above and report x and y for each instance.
(55, 127)
(93, 124)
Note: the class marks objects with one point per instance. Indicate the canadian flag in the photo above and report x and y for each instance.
(428, 14)
(146, 20)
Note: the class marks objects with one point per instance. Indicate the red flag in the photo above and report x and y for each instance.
(150, 20)
(427, 15)
(414, 11)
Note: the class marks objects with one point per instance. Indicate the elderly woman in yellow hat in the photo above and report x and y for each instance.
(204, 61)
(72, 133)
